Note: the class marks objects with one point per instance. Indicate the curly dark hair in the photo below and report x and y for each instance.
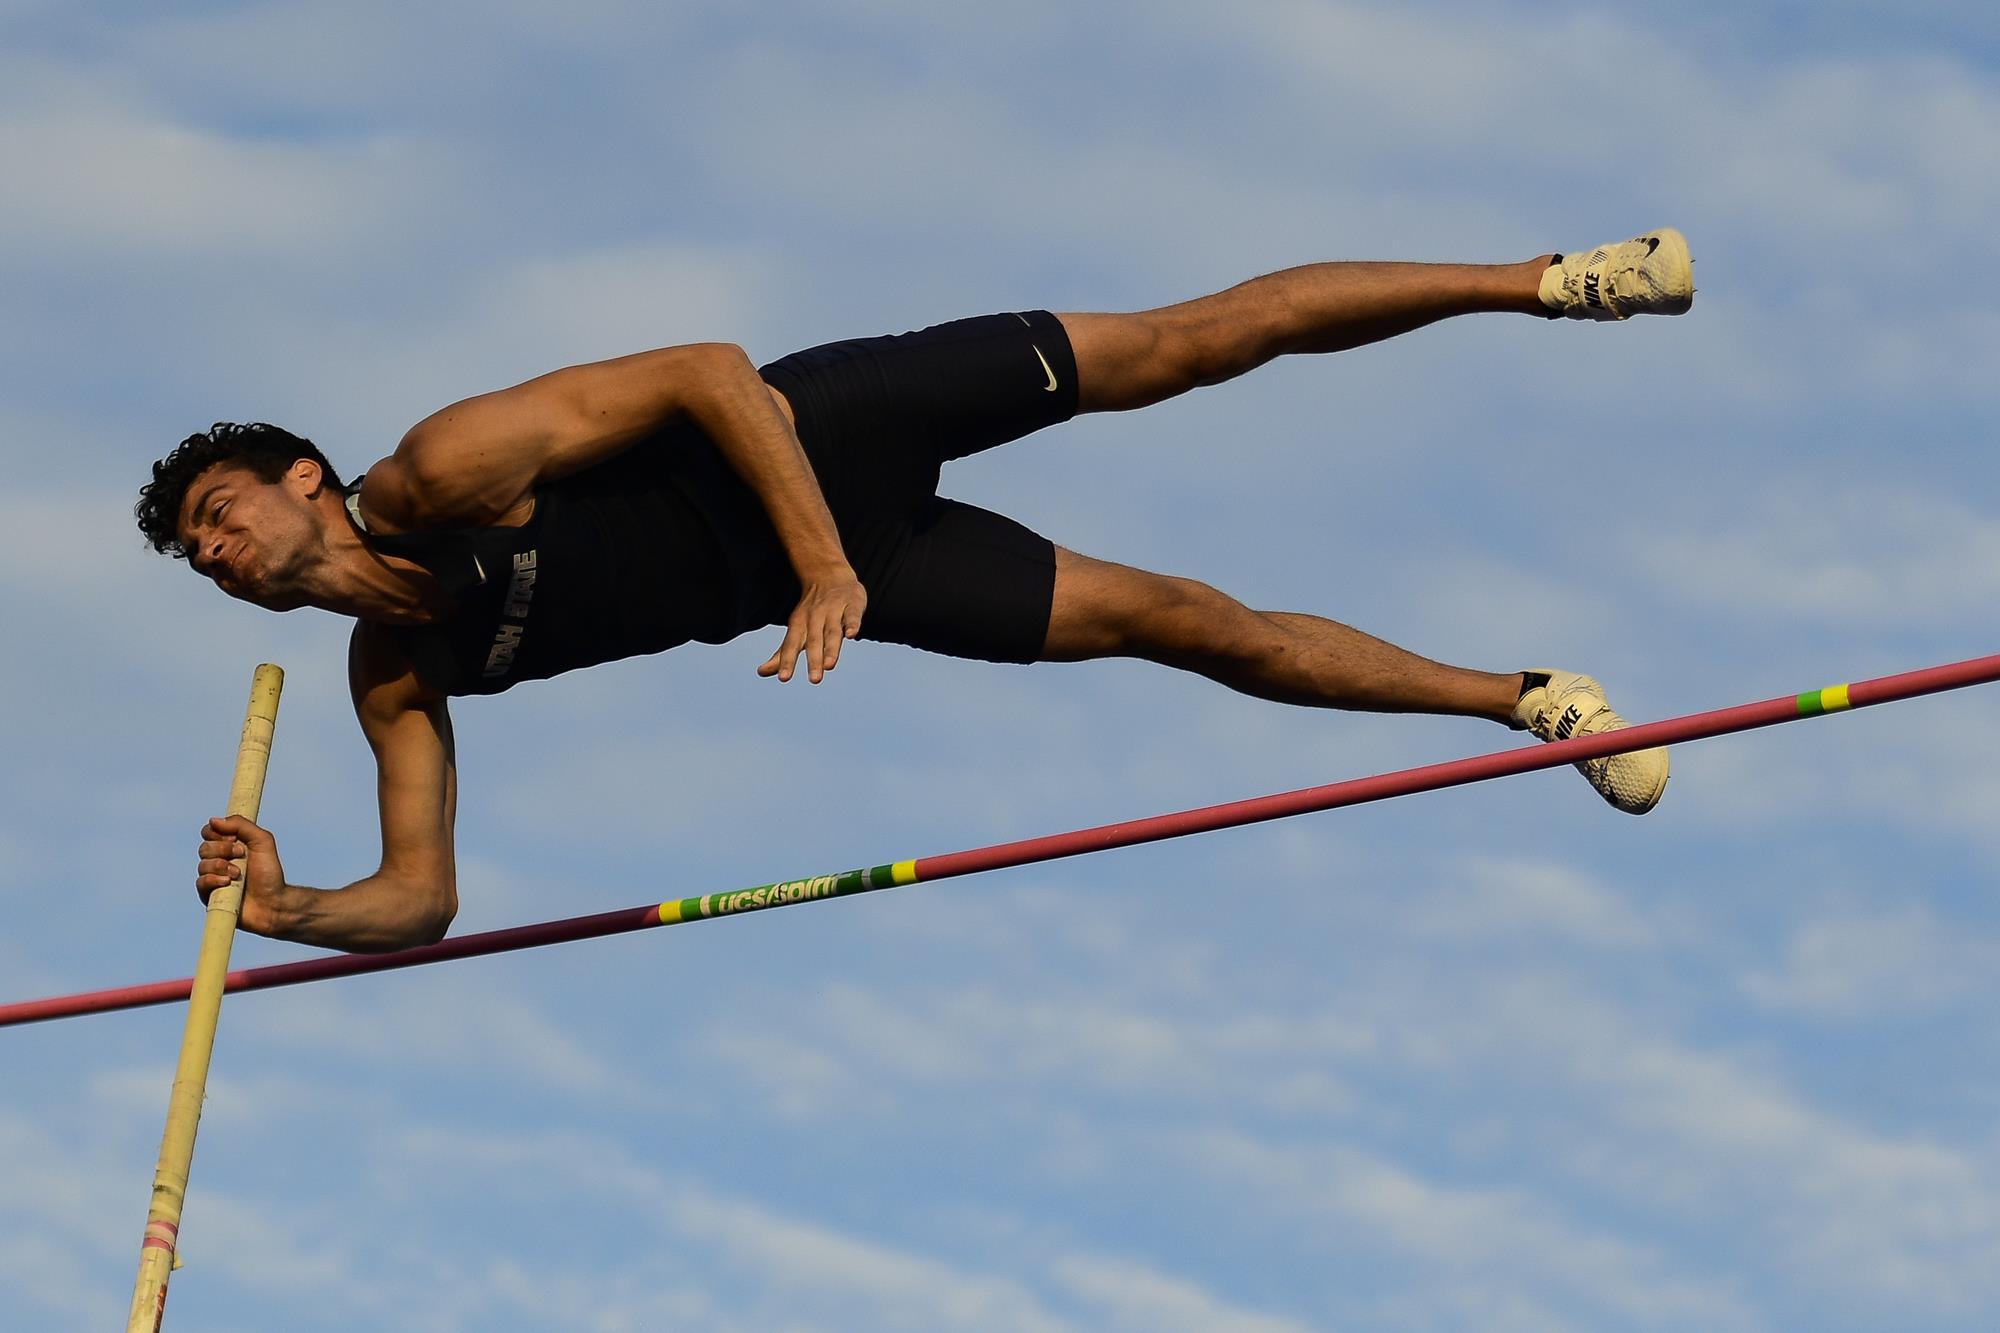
(266, 450)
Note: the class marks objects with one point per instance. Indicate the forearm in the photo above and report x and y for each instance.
(737, 411)
(378, 914)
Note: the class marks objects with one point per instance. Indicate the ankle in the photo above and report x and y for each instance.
(1527, 285)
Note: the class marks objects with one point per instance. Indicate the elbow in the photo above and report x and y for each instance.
(722, 358)
(432, 925)
(431, 930)
(420, 922)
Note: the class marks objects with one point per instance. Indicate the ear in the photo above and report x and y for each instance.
(306, 476)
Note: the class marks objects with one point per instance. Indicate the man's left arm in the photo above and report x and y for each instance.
(475, 461)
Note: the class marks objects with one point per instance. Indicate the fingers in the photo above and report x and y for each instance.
(231, 837)
(245, 836)
(817, 629)
(829, 644)
(216, 867)
(818, 661)
(783, 662)
(836, 619)
(234, 826)
(836, 632)
(226, 840)
(831, 627)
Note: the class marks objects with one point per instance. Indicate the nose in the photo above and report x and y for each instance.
(208, 558)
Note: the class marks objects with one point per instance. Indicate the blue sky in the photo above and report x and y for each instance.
(1495, 1058)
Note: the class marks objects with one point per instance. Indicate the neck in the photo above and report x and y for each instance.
(354, 579)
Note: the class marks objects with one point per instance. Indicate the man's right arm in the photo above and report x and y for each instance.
(413, 896)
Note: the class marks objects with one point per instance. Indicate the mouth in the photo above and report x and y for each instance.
(227, 572)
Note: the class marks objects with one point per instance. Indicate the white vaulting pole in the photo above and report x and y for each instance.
(225, 905)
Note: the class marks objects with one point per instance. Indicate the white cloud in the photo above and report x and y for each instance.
(847, 1278)
(1534, 898)
(1467, 1240)
(1831, 144)
(1547, 616)
(261, 1243)
(797, 1078)
(49, 1184)
(46, 1276)
(94, 167)
(974, 1037)
(426, 1023)
(354, 382)
(1875, 557)
(762, 1266)
(66, 547)
(1129, 1295)
(1887, 1217)
(1863, 964)
(613, 300)
(71, 1213)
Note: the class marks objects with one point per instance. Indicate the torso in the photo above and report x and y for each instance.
(635, 555)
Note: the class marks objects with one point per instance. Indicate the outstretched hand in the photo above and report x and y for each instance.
(223, 841)
(829, 611)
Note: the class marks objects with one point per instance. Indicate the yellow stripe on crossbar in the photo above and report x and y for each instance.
(1834, 698)
(670, 912)
(903, 872)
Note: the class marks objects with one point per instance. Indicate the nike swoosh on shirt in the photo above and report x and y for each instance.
(1050, 387)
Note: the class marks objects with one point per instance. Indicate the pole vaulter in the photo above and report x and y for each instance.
(686, 494)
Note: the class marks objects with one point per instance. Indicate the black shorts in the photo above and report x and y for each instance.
(878, 417)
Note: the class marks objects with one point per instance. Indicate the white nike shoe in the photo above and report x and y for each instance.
(1571, 705)
(1648, 275)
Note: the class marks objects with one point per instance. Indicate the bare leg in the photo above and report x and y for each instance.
(1128, 361)
(1107, 610)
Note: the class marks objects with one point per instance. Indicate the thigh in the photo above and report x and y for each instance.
(956, 579)
(916, 400)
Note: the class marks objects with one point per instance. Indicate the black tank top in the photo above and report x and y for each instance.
(654, 547)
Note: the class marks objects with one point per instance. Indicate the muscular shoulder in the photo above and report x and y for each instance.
(444, 474)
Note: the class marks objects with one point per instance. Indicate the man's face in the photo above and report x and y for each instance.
(252, 537)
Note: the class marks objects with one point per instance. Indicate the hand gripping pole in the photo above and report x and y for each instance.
(225, 905)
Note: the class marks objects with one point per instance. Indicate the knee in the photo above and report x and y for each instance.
(1184, 622)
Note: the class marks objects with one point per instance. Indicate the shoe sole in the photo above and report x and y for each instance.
(1652, 797)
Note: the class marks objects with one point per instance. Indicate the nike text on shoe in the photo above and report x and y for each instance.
(1571, 705)
(1648, 275)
